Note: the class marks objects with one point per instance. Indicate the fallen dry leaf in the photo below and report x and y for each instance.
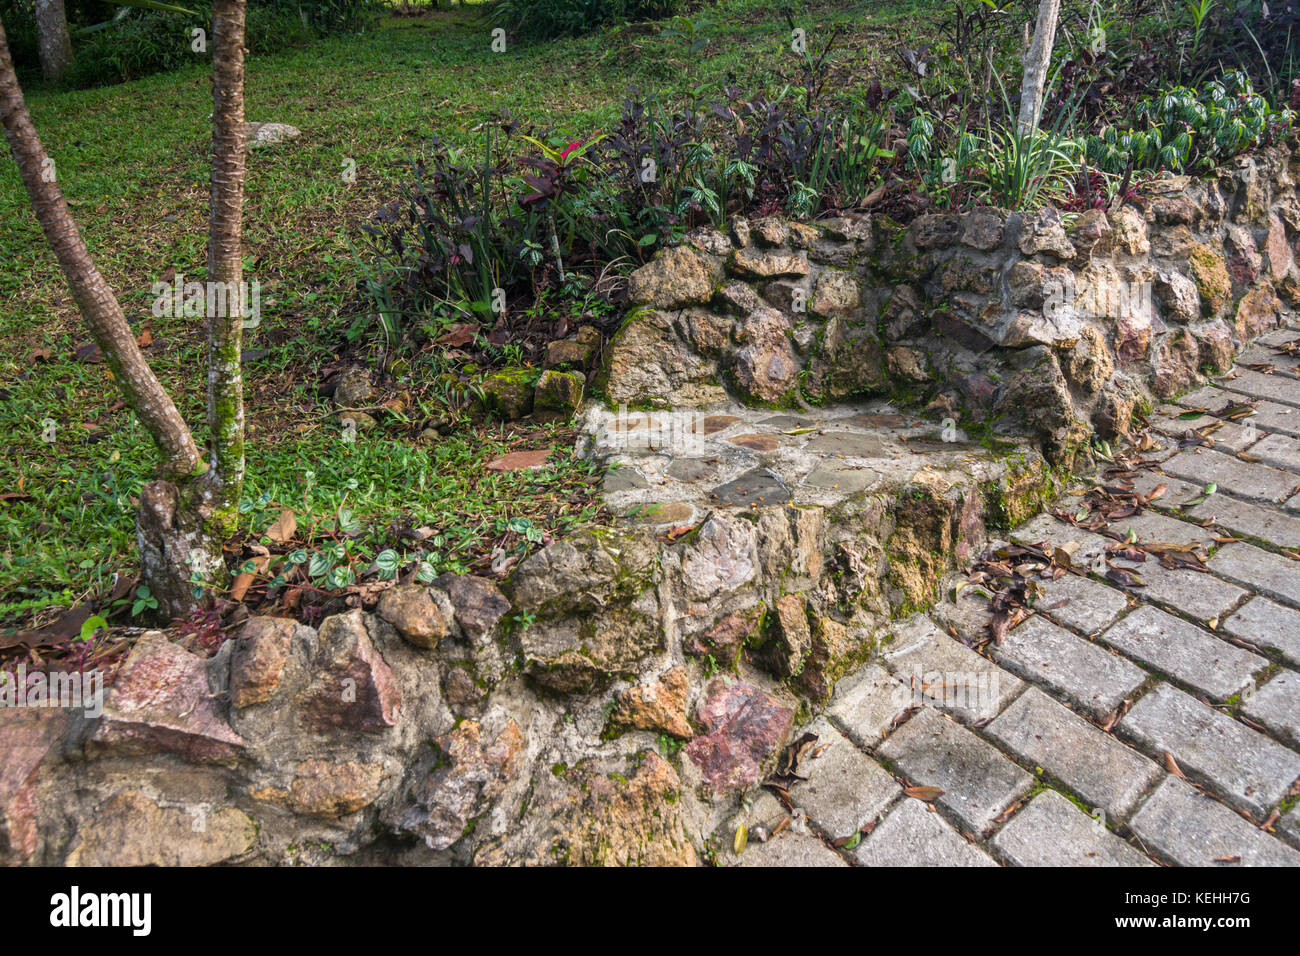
(282, 529)
(519, 460)
(928, 794)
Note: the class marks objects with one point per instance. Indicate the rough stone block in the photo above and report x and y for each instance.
(864, 704)
(1259, 570)
(844, 789)
(1051, 831)
(913, 834)
(1241, 478)
(1191, 829)
(1051, 656)
(1246, 768)
(1088, 606)
(1276, 705)
(1185, 651)
(1265, 623)
(978, 783)
(938, 670)
(1096, 766)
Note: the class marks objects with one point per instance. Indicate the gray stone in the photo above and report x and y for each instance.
(864, 704)
(1289, 826)
(1185, 651)
(846, 444)
(1096, 766)
(939, 671)
(788, 421)
(1258, 385)
(1177, 422)
(1204, 397)
(1269, 416)
(1254, 521)
(269, 134)
(1177, 492)
(1084, 547)
(1051, 831)
(913, 834)
(845, 789)
(840, 477)
(1280, 451)
(623, 478)
(968, 617)
(1241, 478)
(978, 783)
(1243, 766)
(1267, 624)
(756, 487)
(1193, 592)
(1089, 676)
(1260, 570)
(1152, 528)
(788, 849)
(1191, 829)
(1272, 417)
(1088, 606)
(692, 469)
(1276, 705)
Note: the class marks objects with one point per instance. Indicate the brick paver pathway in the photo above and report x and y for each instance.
(1118, 724)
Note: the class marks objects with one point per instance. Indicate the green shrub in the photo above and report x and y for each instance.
(548, 19)
(115, 44)
(1181, 129)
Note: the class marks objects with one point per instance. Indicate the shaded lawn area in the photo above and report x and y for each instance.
(133, 162)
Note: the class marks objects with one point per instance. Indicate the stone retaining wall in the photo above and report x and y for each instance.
(608, 703)
(1062, 325)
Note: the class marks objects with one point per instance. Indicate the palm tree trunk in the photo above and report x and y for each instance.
(225, 263)
(54, 44)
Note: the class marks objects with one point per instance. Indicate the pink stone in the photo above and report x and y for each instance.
(744, 727)
(161, 702)
(26, 738)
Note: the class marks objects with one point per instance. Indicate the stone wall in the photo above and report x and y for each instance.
(608, 703)
(1061, 325)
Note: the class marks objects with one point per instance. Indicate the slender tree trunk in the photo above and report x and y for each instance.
(55, 46)
(183, 518)
(225, 263)
(94, 297)
(1036, 63)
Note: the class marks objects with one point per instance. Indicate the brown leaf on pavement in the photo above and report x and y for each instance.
(928, 794)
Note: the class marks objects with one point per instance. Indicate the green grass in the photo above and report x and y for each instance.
(132, 160)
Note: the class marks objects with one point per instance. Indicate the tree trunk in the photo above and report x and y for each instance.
(183, 518)
(225, 265)
(94, 297)
(52, 38)
(1036, 63)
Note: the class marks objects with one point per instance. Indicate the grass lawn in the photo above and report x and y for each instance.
(133, 162)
